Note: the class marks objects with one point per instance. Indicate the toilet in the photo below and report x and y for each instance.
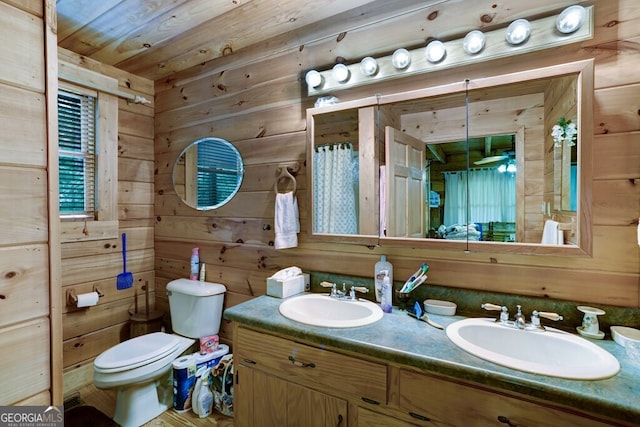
(140, 368)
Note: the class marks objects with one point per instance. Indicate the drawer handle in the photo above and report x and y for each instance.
(249, 361)
(340, 419)
(507, 421)
(301, 364)
(419, 417)
(371, 401)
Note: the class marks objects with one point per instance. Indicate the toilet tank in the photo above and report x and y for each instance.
(196, 307)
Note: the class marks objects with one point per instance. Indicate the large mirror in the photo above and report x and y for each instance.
(208, 173)
(479, 162)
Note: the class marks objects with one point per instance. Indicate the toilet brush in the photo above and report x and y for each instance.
(124, 279)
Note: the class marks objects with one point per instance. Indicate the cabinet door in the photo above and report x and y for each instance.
(306, 407)
(367, 418)
(263, 400)
(459, 404)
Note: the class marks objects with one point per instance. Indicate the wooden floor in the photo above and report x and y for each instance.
(105, 401)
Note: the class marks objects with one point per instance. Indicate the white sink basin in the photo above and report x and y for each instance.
(321, 310)
(551, 352)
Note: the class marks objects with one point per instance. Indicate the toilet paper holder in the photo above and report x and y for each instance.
(72, 297)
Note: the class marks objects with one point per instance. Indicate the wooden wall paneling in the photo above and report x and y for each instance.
(22, 375)
(24, 67)
(135, 147)
(96, 267)
(23, 129)
(616, 156)
(109, 291)
(24, 213)
(616, 109)
(80, 350)
(135, 124)
(616, 202)
(280, 120)
(22, 285)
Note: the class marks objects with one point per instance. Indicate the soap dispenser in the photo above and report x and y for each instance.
(378, 275)
(386, 297)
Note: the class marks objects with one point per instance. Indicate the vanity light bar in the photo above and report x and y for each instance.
(543, 34)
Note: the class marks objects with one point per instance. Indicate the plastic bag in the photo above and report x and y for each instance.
(222, 386)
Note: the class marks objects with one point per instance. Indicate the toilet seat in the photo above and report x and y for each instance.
(136, 352)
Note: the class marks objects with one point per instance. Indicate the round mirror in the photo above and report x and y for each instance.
(208, 173)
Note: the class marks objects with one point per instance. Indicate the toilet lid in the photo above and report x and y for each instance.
(137, 351)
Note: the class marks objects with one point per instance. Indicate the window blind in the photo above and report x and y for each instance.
(77, 154)
(218, 168)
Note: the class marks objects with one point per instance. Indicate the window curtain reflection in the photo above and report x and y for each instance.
(334, 196)
(492, 196)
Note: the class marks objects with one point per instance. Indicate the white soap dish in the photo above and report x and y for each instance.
(595, 336)
(623, 334)
(445, 308)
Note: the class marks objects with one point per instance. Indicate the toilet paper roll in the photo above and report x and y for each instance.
(88, 299)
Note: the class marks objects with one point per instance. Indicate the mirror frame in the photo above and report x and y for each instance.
(194, 144)
(584, 70)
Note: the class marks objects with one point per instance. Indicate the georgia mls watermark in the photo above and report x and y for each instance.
(31, 416)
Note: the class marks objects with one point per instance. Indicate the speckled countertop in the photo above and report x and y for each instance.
(402, 339)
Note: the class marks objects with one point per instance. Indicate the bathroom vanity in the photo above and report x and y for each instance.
(399, 372)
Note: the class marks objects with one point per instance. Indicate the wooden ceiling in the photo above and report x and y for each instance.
(155, 39)
(158, 38)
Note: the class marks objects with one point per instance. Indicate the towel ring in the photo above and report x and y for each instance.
(284, 172)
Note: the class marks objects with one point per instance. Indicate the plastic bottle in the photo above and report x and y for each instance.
(378, 275)
(205, 398)
(386, 297)
(202, 272)
(195, 263)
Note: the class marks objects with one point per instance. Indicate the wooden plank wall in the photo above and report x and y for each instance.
(89, 331)
(24, 254)
(261, 109)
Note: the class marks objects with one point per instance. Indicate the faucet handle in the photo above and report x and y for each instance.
(327, 284)
(361, 289)
(536, 315)
(548, 315)
(504, 311)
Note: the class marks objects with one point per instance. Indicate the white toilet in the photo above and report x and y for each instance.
(140, 368)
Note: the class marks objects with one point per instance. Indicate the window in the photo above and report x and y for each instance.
(77, 154)
(87, 155)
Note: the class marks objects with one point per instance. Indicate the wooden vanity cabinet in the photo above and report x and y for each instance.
(281, 382)
(452, 403)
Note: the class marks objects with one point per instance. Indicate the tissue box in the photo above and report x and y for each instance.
(282, 288)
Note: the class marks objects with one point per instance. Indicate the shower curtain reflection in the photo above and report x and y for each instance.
(335, 176)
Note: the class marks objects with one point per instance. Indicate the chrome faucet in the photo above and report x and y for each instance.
(519, 321)
(342, 294)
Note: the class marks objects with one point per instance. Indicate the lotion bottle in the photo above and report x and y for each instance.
(378, 275)
(386, 297)
(195, 263)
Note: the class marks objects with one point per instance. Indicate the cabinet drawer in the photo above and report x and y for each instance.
(458, 404)
(311, 366)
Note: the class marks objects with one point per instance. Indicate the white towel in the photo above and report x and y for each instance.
(551, 234)
(287, 223)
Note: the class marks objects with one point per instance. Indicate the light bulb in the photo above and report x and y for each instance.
(518, 31)
(369, 66)
(435, 51)
(571, 19)
(473, 42)
(401, 59)
(313, 79)
(341, 73)
(511, 168)
(502, 168)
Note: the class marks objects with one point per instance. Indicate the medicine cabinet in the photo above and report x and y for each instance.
(467, 165)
